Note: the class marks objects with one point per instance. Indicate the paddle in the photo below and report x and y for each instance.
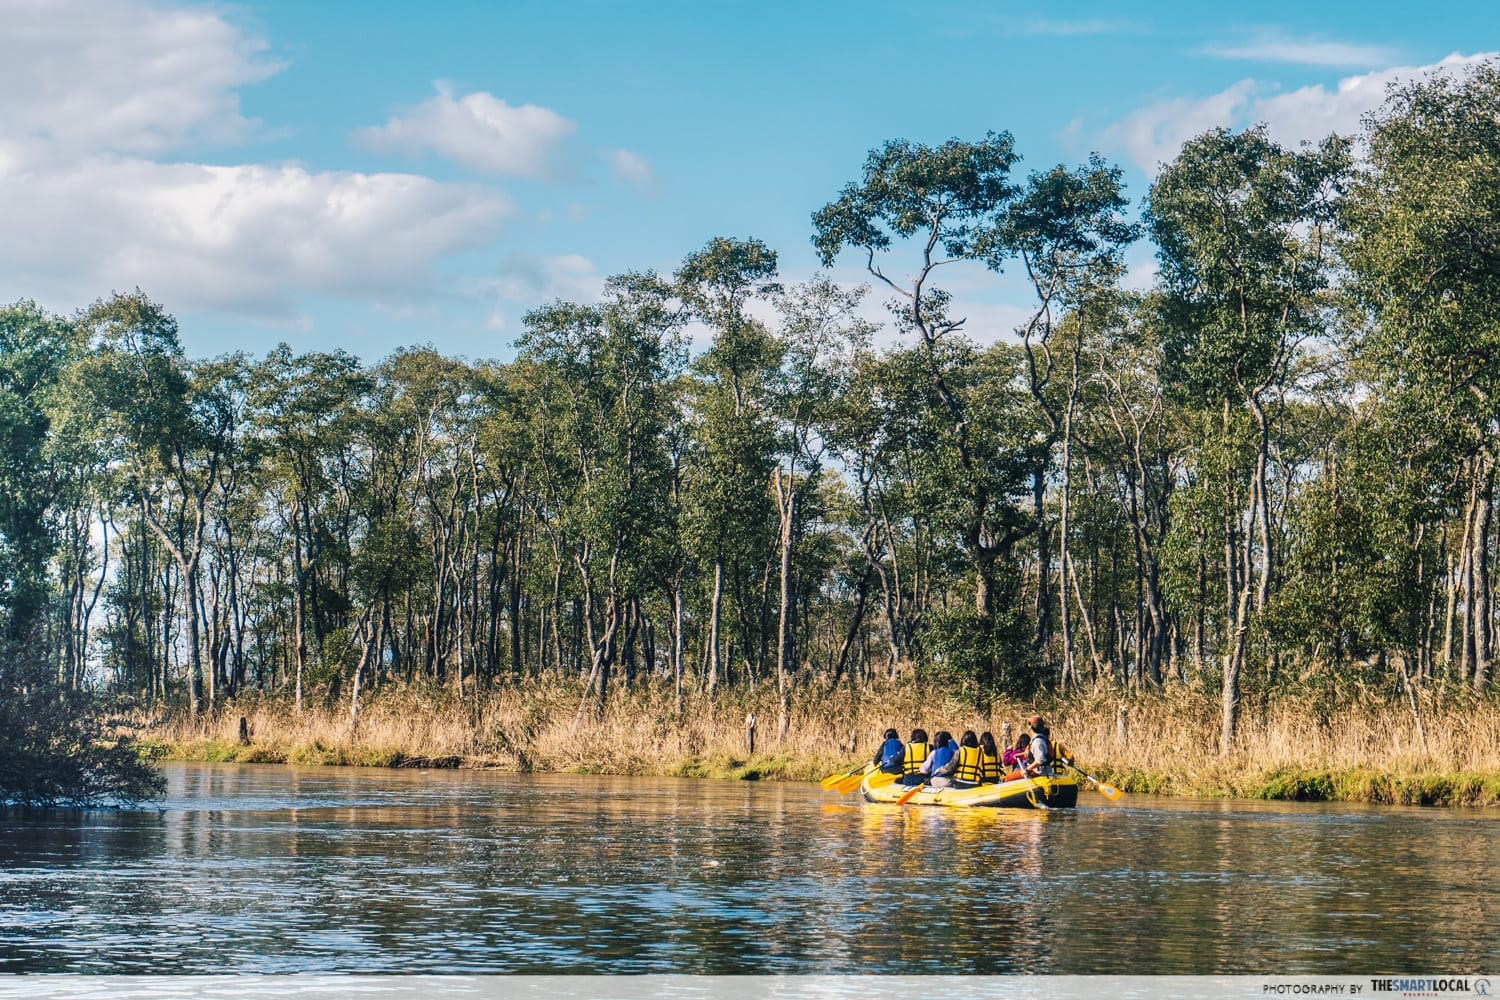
(914, 790)
(833, 780)
(1108, 791)
(846, 785)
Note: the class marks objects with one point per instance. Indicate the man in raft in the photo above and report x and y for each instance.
(1040, 762)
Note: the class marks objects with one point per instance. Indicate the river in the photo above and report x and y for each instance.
(273, 869)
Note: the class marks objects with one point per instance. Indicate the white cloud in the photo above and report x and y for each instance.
(1153, 135)
(123, 75)
(478, 130)
(1273, 45)
(535, 279)
(94, 99)
(246, 239)
(632, 167)
(526, 281)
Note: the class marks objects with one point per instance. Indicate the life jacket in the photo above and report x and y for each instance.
(889, 757)
(989, 767)
(916, 754)
(1060, 752)
(941, 757)
(1044, 765)
(969, 768)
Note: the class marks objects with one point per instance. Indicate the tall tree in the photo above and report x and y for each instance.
(728, 502)
(1243, 229)
(1424, 249)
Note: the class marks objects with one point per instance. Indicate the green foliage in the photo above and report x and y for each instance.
(987, 656)
(35, 350)
(57, 747)
(1241, 225)
(1271, 465)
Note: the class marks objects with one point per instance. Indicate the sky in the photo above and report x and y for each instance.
(368, 176)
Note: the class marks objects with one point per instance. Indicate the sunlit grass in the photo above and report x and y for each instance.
(1296, 746)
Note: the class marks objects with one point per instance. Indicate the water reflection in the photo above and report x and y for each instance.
(273, 869)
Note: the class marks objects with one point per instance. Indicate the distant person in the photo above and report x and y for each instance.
(913, 755)
(888, 757)
(1039, 758)
(967, 769)
(989, 759)
(940, 764)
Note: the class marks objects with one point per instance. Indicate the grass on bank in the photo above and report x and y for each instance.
(1362, 747)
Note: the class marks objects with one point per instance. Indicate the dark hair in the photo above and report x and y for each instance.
(969, 739)
(919, 735)
(987, 740)
(891, 734)
(1022, 742)
(942, 738)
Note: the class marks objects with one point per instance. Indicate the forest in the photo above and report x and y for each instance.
(1271, 467)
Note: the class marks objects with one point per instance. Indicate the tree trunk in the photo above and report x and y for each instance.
(712, 680)
(786, 498)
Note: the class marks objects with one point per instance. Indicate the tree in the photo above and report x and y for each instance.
(728, 502)
(1243, 229)
(947, 200)
(35, 350)
(1424, 253)
(603, 378)
(821, 335)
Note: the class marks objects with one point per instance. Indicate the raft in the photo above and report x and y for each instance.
(1056, 792)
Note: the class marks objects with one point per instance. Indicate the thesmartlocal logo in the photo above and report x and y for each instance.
(1431, 986)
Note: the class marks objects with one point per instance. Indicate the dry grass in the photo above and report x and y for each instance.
(1364, 748)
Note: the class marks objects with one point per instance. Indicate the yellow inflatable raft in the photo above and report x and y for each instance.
(1056, 792)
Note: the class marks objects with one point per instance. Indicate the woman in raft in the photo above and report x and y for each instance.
(913, 756)
(937, 770)
(888, 757)
(1014, 758)
(989, 759)
(968, 766)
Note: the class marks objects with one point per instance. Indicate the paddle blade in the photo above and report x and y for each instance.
(829, 782)
(907, 796)
(849, 784)
(1109, 791)
(882, 778)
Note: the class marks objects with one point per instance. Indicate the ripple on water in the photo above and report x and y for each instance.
(270, 869)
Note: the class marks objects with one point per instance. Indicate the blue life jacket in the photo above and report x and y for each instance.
(941, 756)
(891, 752)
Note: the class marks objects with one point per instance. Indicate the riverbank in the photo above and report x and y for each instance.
(1298, 747)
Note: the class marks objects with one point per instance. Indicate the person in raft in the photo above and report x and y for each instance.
(888, 757)
(968, 769)
(989, 759)
(1039, 760)
(937, 770)
(912, 757)
(1015, 756)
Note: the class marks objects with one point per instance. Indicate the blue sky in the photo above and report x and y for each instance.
(367, 176)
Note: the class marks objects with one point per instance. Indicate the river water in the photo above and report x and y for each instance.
(276, 869)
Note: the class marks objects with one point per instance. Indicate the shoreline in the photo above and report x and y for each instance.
(1307, 752)
(1354, 785)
